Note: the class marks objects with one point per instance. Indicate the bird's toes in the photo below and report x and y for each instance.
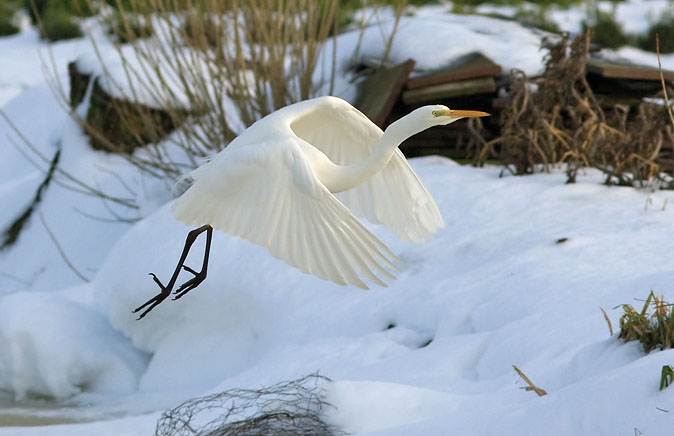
(157, 281)
(188, 269)
(188, 285)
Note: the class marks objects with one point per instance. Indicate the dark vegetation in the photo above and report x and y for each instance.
(606, 31)
(7, 11)
(664, 27)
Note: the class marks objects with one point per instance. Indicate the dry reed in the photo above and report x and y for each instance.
(557, 118)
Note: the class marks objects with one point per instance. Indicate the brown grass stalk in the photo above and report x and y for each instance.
(531, 387)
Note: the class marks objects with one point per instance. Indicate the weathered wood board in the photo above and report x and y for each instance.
(471, 66)
(381, 90)
(434, 93)
(616, 70)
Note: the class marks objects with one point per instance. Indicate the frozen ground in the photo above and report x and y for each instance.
(431, 354)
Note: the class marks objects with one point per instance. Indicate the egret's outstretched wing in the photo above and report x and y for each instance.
(268, 194)
(394, 197)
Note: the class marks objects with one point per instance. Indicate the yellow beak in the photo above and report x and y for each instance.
(460, 113)
(466, 114)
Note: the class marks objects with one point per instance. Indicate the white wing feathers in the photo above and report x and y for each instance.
(395, 196)
(268, 194)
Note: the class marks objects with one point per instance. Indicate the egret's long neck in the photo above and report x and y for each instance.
(349, 176)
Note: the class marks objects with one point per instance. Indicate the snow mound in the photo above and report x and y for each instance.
(366, 406)
(217, 322)
(57, 348)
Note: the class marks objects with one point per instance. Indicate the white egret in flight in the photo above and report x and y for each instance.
(295, 181)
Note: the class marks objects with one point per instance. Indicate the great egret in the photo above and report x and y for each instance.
(275, 186)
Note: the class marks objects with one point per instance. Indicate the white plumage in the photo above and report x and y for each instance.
(295, 181)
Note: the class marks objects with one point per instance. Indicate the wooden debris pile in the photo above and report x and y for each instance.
(469, 82)
(476, 82)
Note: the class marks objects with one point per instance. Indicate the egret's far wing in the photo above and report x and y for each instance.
(394, 197)
(268, 194)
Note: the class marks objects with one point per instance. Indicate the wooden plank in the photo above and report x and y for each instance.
(378, 94)
(434, 93)
(626, 71)
(375, 63)
(471, 66)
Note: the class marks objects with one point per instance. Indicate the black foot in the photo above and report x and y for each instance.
(191, 283)
(188, 285)
(153, 302)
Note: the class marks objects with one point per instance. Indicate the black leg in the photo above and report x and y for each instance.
(198, 276)
(190, 284)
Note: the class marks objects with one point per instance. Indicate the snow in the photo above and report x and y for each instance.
(25, 60)
(366, 406)
(430, 354)
(62, 360)
(448, 36)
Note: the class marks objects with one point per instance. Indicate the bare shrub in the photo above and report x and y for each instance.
(556, 118)
(212, 67)
(290, 408)
(208, 63)
(634, 157)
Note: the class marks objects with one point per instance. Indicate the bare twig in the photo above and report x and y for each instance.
(662, 80)
(15, 278)
(531, 386)
(399, 9)
(60, 250)
(78, 182)
(608, 321)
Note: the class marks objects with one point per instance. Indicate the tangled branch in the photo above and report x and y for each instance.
(289, 408)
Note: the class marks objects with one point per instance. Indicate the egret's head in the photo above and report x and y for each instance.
(428, 116)
(442, 115)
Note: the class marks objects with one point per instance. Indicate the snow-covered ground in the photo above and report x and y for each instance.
(430, 354)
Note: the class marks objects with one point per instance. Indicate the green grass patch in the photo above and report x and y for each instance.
(607, 32)
(667, 376)
(58, 19)
(58, 24)
(652, 326)
(537, 18)
(6, 27)
(7, 10)
(664, 27)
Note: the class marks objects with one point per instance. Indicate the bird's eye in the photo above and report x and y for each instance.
(437, 113)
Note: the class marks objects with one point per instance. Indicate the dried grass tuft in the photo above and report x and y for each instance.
(653, 326)
(557, 118)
